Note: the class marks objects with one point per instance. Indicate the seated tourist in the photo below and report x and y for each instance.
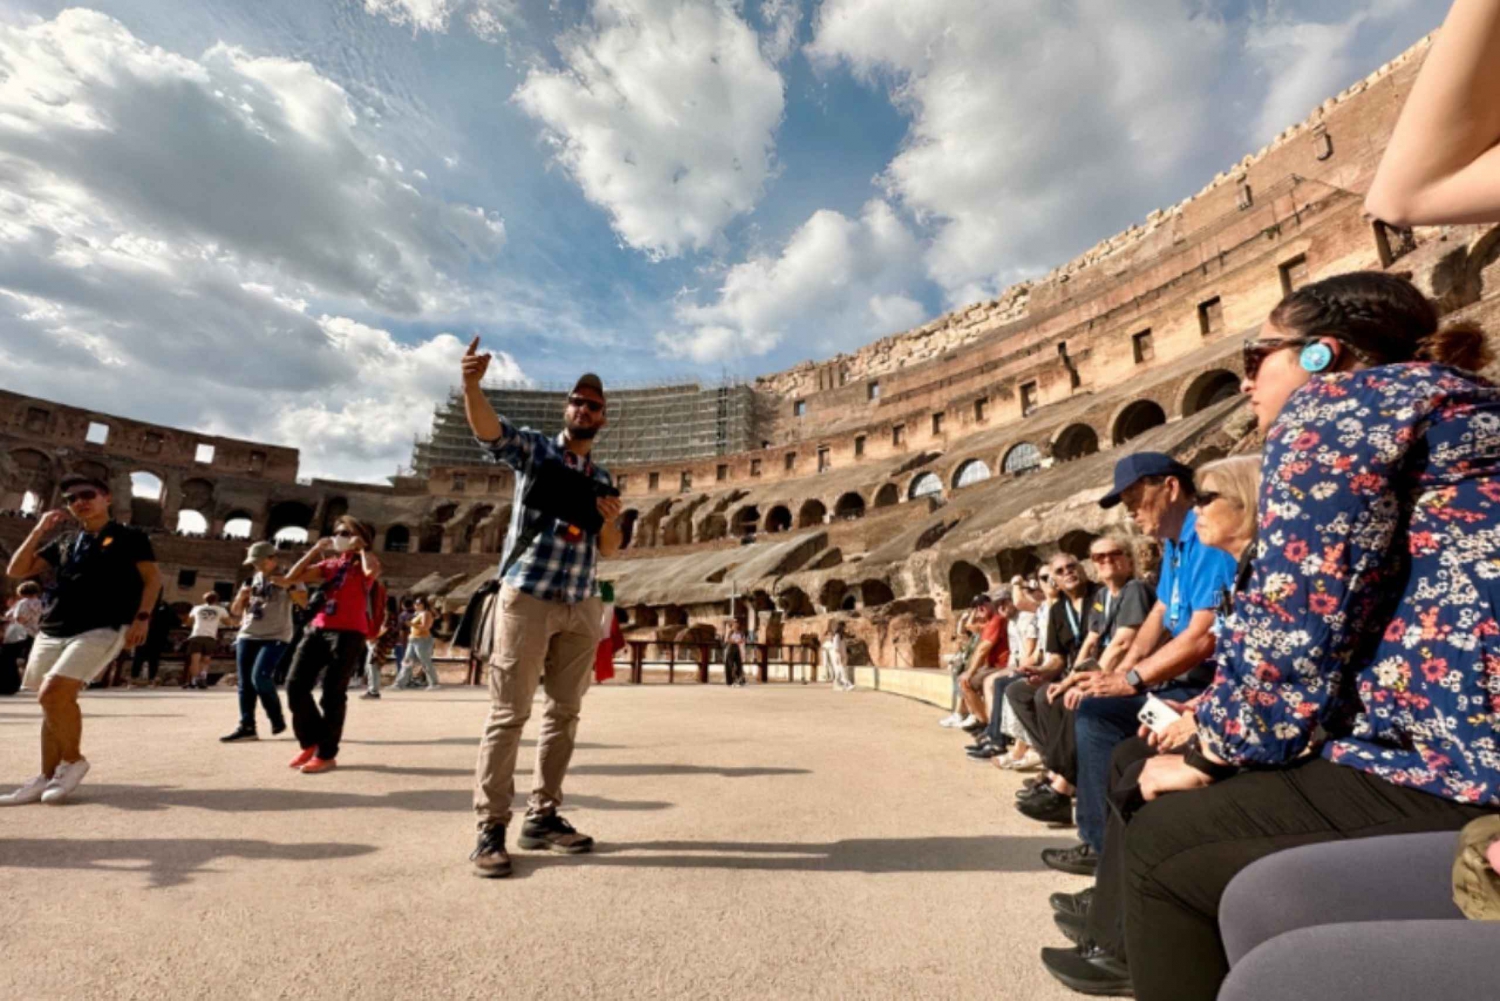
(1020, 635)
(1367, 618)
(1031, 597)
(990, 657)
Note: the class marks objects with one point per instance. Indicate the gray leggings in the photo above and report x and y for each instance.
(1368, 919)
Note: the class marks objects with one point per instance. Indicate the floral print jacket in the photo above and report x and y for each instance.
(1370, 612)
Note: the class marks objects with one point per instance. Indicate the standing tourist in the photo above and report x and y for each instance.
(205, 621)
(836, 657)
(547, 616)
(334, 641)
(734, 655)
(388, 641)
(147, 655)
(419, 647)
(105, 582)
(22, 622)
(265, 612)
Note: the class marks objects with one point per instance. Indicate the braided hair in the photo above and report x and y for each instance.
(1381, 318)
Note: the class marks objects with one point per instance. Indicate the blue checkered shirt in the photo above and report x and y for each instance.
(552, 567)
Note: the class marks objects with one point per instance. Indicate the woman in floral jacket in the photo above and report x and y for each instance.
(1358, 689)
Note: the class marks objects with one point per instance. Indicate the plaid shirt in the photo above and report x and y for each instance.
(558, 564)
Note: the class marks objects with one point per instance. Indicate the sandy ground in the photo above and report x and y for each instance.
(777, 842)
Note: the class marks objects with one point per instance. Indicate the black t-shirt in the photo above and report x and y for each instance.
(1068, 626)
(1128, 611)
(96, 584)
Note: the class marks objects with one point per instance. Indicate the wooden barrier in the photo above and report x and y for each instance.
(701, 654)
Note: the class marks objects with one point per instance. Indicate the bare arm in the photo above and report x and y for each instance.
(26, 562)
(610, 536)
(1119, 645)
(1183, 652)
(1442, 164)
(482, 418)
(369, 563)
(241, 599)
(1147, 637)
(304, 570)
(1086, 648)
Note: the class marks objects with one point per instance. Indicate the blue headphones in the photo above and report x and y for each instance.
(1316, 357)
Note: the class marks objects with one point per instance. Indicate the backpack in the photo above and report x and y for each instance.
(375, 602)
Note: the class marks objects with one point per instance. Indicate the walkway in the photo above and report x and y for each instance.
(777, 842)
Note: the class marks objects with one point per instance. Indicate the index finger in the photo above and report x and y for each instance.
(473, 346)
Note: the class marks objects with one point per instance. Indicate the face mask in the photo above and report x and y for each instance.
(343, 543)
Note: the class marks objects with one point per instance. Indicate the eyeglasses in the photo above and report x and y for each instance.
(1071, 568)
(80, 495)
(1113, 554)
(1206, 497)
(1257, 351)
(592, 406)
(343, 533)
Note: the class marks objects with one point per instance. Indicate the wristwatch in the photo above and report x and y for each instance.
(1134, 680)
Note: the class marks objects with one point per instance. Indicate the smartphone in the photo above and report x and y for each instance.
(1156, 715)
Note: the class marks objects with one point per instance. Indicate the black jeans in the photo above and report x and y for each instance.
(1106, 923)
(335, 655)
(734, 665)
(1182, 850)
(148, 656)
(1022, 698)
(1059, 738)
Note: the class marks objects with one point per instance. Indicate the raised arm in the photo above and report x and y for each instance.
(27, 561)
(1442, 164)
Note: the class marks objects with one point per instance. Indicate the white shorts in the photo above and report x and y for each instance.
(81, 658)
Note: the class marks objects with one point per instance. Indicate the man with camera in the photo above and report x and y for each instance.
(546, 619)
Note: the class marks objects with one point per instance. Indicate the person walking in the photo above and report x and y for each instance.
(265, 612)
(333, 642)
(381, 649)
(22, 622)
(547, 614)
(836, 657)
(419, 647)
(105, 584)
(734, 656)
(205, 621)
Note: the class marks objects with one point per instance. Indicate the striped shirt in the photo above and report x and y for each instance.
(558, 563)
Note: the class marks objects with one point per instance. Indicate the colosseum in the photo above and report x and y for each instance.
(885, 487)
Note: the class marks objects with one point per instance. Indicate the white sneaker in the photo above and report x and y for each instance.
(950, 721)
(1030, 763)
(28, 793)
(65, 780)
(969, 720)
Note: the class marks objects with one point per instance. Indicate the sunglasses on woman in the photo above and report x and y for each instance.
(343, 533)
(1257, 351)
(1206, 497)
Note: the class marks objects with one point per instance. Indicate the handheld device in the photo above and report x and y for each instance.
(1156, 715)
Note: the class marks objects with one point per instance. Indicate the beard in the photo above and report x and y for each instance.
(581, 433)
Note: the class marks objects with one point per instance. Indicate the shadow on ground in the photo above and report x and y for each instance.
(256, 800)
(168, 862)
(989, 853)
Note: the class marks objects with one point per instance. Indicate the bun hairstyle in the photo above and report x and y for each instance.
(1382, 318)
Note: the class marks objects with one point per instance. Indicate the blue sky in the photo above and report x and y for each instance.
(279, 220)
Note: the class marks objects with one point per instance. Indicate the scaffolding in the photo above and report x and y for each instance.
(667, 423)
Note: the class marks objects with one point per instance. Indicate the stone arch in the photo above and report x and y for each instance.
(970, 472)
(887, 496)
(1074, 442)
(31, 503)
(190, 521)
(197, 494)
(831, 594)
(1136, 419)
(965, 582)
(1018, 561)
(745, 520)
(761, 601)
(849, 506)
(1022, 457)
(334, 508)
(795, 603)
(924, 485)
(294, 535)
(811, 514)
(148, 493)
(674, 615)
(287, 514)
(397, 539)
(642, 616)
(715, 526)
(873, 593)
(239, 523)
(628, 518)
(471, 529)
(1207, 389)
(430, 535)
(1076, 544)
(778, 519)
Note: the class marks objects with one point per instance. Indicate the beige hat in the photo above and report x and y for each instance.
(259, 551)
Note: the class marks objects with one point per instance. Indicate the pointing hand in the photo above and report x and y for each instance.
(474, 364)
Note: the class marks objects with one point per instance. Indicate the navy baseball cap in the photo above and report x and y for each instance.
(1134, 468)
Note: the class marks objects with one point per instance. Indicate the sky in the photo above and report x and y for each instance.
(283, 220)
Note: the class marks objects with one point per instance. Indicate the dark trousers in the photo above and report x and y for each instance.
(1182, 850)
(999, 684)
(12, 660)
(255, 674)
(335, 655)
(734, 665)
(1099, 727)
(1106, 923)
(1059, 743)
(1022, 699)
(146, 656)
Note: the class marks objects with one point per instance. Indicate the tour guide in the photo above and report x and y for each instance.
(547, 619)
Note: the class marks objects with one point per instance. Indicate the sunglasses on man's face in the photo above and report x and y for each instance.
(1256, 352)
(1113, 554)
(80, 495)
(1071, 568)
(592, 406)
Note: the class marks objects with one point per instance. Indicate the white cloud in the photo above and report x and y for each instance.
(838, 282)
(1028, 119)
(781, 19)
(665, 115)
(486, 18)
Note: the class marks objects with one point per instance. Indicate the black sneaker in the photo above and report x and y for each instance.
(1089, 969)
(240, 733)
(1073, 903)
(1080, 860)
(975, 728)
(1074, 927)
(489, 856)
(1048, 806)
(278, 727)
(370, 695)
(984, 752)
(550, 832)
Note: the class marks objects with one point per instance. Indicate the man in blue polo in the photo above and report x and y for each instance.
(1172, 655)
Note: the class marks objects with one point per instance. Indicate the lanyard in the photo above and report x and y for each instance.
(1072, 616)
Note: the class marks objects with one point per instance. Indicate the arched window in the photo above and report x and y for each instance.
(397, 539)
(811, 514)
(294, 535)
(873, 593)
(925, 486)
(1208, 389)
(238, 525)
(965, 582)
(745, 519)
(795, 603)
(1075, 442)
(30, 503)
(1022, 458)
(887, 495)
(627, 527)
(191, 523)
(145, 499)
(778, 519)
(288, 514)
(971, 472)
(1136, 419)
(849, 506)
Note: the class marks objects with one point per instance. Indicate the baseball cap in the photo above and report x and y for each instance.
(981, 599)
(1134, 468)
(259, 551)
(590, 381)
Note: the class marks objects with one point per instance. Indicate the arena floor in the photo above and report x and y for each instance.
(776, 842)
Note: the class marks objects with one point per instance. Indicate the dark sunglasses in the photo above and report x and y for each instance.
(343, 533)
(1256, 352)
(1070, 568)
(592, 406)
(1206, 497)
(80, 495)
(1113, 554)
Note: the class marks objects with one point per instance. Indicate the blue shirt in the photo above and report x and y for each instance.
(1193, 576)
(559, 562)
(1371, 607)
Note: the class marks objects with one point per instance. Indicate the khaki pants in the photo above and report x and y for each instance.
(548, 641)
